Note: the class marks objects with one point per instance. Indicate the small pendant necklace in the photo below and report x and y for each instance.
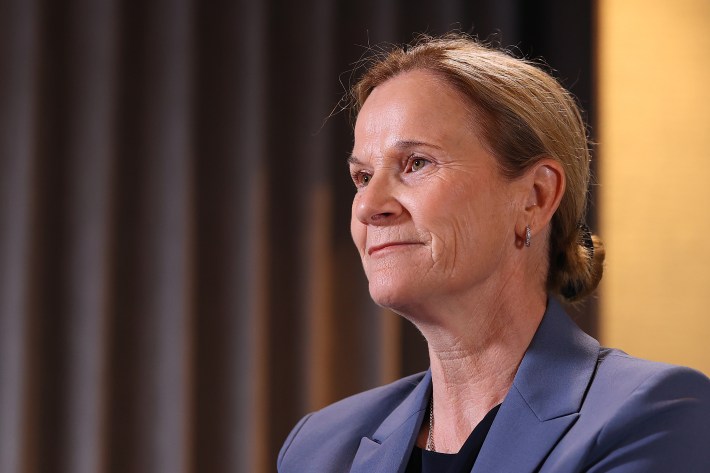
(430, 438)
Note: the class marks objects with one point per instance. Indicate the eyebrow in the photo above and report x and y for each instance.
(402, 145)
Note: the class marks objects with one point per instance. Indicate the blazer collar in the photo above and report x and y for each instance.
(540, 407)
(389, 448)
(545, 398)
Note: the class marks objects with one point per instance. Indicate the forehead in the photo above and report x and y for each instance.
(413, 106)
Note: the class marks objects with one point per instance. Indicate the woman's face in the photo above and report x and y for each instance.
(432, 218)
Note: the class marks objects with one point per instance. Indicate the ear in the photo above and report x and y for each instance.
(544, 186)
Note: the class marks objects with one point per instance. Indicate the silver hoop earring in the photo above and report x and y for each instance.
(527, 235)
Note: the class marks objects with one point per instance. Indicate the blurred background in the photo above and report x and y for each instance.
(177, 280)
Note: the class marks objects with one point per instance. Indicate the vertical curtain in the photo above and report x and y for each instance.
(177, 280)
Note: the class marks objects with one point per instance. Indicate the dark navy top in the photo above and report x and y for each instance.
(424, 461)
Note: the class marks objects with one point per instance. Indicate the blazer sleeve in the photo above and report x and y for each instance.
(664, 426)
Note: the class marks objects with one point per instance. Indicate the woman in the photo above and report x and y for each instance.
(471, 169)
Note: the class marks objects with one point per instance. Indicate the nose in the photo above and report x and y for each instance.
(376, 204)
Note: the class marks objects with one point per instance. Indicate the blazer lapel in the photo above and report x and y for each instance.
(389, 448)
(545, 398)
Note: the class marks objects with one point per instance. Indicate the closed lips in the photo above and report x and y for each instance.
(382, 246)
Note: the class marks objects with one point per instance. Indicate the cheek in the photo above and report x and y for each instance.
(468, 225)
(451, 238)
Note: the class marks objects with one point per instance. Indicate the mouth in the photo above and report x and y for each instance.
(393, 245)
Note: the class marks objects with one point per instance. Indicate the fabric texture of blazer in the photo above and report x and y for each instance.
(573, 407)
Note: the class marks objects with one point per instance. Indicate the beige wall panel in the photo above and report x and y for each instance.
(654, 135)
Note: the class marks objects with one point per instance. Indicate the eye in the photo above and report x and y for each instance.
(361, 178)
(416, 164)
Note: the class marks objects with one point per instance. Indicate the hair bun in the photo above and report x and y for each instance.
(586, 239)
(582, 269)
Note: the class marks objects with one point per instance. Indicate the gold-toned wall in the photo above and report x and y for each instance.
(654, 156)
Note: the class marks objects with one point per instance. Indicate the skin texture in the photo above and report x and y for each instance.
(440, 232)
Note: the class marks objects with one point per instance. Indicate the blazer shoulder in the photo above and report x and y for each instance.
(331, 435)
(628, 373)
(625, 383)
(649, 413)
(375, 403)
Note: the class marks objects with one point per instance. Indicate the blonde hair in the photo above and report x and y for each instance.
(525, 115)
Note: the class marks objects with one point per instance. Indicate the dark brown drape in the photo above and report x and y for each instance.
(177, 281)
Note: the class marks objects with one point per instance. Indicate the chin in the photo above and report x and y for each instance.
(391, 294)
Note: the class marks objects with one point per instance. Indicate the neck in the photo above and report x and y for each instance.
(474, 357)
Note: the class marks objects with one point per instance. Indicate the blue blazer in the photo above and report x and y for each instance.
(573, 407)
